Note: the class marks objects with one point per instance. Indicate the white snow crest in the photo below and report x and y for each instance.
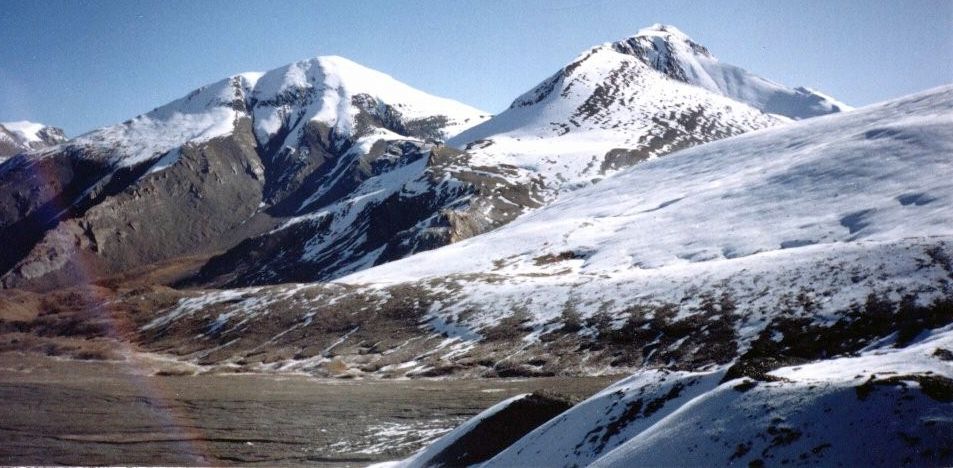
(321, 89)
(206, 113)
(27, 131)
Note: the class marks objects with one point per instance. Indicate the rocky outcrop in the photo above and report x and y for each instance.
(399, 198)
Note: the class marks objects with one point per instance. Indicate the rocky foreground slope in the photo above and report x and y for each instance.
(887, 406)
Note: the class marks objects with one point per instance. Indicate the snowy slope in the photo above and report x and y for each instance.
(876, 176)
(594, 427)
(886, 407)
(816, 216)
(820, 236)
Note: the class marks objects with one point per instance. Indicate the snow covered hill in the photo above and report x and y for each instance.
(800, 242)
(18, 137)
(623, 102)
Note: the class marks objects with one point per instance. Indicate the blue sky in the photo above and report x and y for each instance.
(84, 64)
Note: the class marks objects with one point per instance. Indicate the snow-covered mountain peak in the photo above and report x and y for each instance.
(668, 50)
(333, 90)
(24, 129)
(667, 33)
(675, 54)
(602, 88)
(668, 42)
(23, 135)
(32, 132)
(659, 74)
(205, 113)
(605, 110)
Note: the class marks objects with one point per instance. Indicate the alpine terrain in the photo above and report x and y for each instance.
(324, 167)
(768, 270)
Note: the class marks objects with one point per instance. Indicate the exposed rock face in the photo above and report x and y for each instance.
(36, 193)
(400, 198)
(134, 217)
(491, 431)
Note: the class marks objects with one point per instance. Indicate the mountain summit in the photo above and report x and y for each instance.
(612, 81)
(673, 53)
(613, 106)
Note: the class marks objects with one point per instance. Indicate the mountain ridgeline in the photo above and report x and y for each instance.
(323, 167)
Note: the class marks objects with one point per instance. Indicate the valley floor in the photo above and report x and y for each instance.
(62, 411)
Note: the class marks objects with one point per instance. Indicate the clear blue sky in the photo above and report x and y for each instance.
(84, 64)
